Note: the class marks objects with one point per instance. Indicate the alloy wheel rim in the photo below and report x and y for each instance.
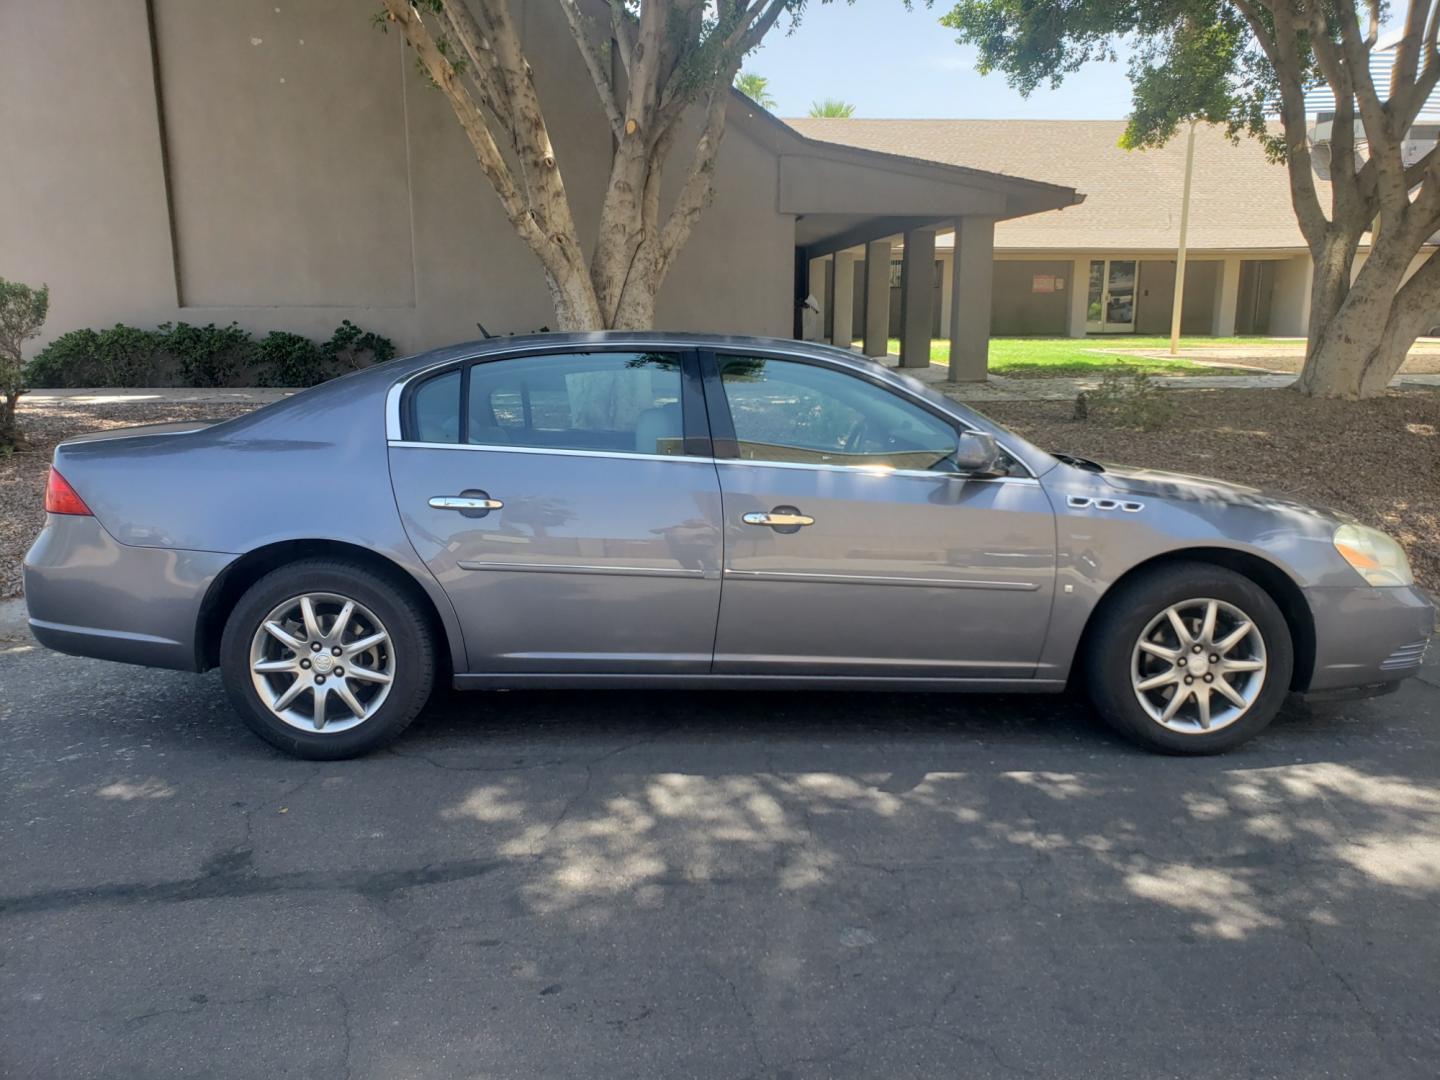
(1198, 666)
(322, 663)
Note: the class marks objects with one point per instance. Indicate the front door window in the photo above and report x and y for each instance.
(1111, 300)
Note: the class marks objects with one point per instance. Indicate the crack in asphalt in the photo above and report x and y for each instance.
(230, 874)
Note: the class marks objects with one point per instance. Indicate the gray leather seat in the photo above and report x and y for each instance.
(657, 425)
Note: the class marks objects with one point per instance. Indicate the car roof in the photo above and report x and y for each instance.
(611, 338)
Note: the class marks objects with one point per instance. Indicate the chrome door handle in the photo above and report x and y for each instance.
(781, 518)
(464, 502)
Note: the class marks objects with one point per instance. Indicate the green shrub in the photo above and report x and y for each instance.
(179, 354)
(120, 356)
(350, 347)
(22, 314)
(1129, 399)
(207, 355)
(128, 356)
(70, 360)
(287, 359)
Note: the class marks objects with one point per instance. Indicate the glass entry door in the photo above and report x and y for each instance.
(1111, 302)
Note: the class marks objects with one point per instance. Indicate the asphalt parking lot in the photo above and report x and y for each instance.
(709, 885)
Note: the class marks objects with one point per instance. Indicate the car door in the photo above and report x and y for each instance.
(553, 497)
(852, 546)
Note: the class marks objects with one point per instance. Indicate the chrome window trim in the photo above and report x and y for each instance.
(548, 451)
(394, 430)
(623, 455)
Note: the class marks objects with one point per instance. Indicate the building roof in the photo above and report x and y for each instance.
(1239, 201)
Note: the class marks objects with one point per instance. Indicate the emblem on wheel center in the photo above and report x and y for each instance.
(323, 662)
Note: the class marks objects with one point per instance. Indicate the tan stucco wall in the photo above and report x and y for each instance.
(314, 177)
(1155, 305)
(1016, 309)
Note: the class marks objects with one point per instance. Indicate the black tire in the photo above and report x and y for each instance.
(1124, 616)
(409, 639)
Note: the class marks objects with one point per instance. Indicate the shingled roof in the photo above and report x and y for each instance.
(1240, 201)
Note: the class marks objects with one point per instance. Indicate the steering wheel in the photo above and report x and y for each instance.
(853, 438)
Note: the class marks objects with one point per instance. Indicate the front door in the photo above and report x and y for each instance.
(852, 547)
(1111, 301)
(553, 498)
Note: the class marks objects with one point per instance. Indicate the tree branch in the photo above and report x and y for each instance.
(580, 31)
(1280, 49)
(540, 217)
(621, 32)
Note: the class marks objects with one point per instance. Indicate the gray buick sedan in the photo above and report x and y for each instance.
(663, 510)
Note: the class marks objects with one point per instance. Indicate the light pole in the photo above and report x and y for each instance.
(1177, 305)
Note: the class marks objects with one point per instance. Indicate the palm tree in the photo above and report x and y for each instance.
(833, 108)
(756, 88)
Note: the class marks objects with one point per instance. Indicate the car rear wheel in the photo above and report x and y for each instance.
(326, 659)
(1190, 659)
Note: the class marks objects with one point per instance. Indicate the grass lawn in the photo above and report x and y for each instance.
(1053, 357)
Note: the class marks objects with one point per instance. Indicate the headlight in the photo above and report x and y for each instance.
(1375, 557)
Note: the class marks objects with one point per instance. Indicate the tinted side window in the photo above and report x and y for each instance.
(435, 409)
(791, 412)
(617, 402)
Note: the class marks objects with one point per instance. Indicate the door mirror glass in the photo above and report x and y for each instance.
(977, 454)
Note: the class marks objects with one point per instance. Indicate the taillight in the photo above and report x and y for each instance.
(60, 497)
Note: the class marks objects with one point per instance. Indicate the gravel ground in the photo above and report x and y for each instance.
(1379, 459)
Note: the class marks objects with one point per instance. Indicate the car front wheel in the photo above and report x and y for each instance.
(1190, 659)
(326, 659)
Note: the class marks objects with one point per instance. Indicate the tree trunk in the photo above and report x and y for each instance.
(1357, 344)
(10, 437)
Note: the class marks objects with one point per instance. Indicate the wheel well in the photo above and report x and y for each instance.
(1286, 594)
(226, 590)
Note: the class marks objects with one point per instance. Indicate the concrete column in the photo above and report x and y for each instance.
(917, 297)
(947, 286)
(842, 300)
(1079, 286)
(819, 271)
(877, 297)
(970, 299)
(1227, 297)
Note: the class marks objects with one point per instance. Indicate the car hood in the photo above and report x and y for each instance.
(1180, 487)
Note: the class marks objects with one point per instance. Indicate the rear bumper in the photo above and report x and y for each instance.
(89, 595)
(1367, 639)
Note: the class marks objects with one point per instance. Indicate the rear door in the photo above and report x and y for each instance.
(853, 547)
(568, 505)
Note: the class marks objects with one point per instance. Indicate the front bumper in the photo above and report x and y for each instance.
(89, 595)
(1367, 638)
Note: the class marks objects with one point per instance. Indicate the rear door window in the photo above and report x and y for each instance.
(615, 402)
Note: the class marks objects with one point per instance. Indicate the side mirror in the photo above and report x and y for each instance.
(976, 453)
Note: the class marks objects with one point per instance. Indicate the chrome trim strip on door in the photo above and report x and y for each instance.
(880, 579)
(506, 448)
(881, 470)
(580, 568)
